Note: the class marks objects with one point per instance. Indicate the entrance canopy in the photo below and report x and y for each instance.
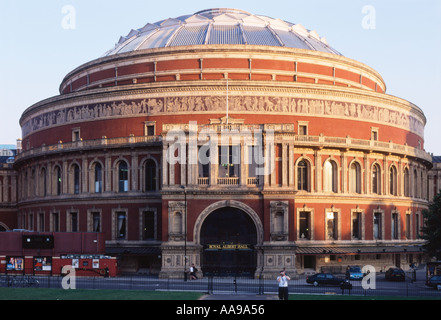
(304, 250)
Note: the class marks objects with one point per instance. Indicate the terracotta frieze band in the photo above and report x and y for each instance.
(216, 104)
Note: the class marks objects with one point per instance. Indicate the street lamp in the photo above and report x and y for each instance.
(185, 234)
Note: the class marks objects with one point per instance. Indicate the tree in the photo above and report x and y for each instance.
(432, 227)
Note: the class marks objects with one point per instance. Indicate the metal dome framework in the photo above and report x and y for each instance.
(221, 26)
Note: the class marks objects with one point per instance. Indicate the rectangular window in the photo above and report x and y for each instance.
(408, 226)
(55, 222)
(96, 222)
(148, 225)
(41, 222)
(74, 222)
(76, 135)
(332, 225)
(395, 226)
(304, 225)
(121, 225)
(377, 226)
(356, 226)
(303, 130)
(150, 128)
(374, 134)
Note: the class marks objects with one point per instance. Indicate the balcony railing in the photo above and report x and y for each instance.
(203, 181)
(228, 181)
(299, 140)
(86, 144)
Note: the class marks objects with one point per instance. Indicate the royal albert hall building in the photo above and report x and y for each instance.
(244, 143)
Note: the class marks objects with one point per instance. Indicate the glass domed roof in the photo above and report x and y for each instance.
(221, 26)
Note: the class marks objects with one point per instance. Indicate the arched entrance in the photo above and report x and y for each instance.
(228, 236)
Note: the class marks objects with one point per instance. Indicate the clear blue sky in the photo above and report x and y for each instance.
(36, 52)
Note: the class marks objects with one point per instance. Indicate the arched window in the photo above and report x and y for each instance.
(150, 175)
(43, 181)
(76, 179)
(406, 183)
(330, 176)
(393, 181)
(355, 178)
(302, 176)
(376, 179)
(58, 184)
(98, 178)
(123, 177)
(415, 183)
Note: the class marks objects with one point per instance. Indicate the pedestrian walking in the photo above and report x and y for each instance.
(193, 271)
(282, 279)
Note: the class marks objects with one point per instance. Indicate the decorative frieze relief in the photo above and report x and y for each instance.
(217, 103)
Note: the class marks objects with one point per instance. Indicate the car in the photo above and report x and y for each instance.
(326, 278)
(435, 282)
(354, 273)
(395, 274)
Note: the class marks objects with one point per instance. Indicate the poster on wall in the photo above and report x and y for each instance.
(75, 263)
(15, 263)
(42, 263)
(95, 263)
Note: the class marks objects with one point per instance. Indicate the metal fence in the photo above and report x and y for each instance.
(222, 285)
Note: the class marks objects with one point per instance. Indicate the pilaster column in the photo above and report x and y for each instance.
(291, 164)
(284, 164)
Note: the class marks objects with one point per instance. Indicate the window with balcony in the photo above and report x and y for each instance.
(204, 164)
(255, 163)
(229, 164)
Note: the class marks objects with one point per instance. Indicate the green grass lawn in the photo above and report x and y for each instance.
(84, 294)
(79, 294)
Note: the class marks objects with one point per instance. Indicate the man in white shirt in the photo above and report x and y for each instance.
(283, 285)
